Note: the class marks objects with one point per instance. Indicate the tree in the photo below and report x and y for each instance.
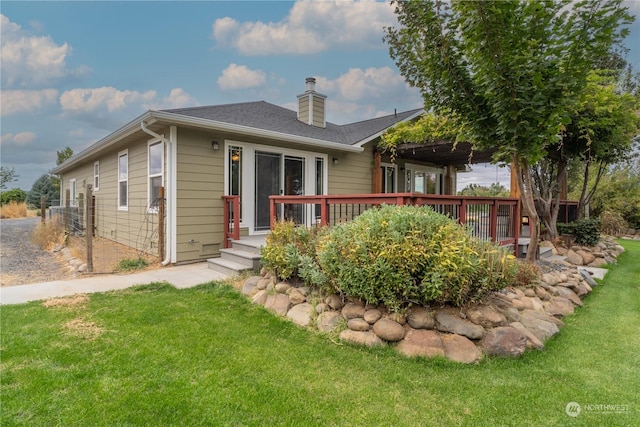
(43, 187)
(511, 71)
(494, 190)
(63, 155)
(7, 175)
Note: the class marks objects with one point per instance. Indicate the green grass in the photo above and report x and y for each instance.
(130, 264)
(206, 356)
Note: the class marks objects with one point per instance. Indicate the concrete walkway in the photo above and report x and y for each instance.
(181, 277)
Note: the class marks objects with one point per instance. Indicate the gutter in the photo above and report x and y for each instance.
(170, 190)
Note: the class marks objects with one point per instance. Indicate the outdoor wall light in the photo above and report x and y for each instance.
(215, 145)
(335, 160)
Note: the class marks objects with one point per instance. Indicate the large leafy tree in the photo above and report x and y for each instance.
(7, 175)
(511, 71)
(43, 186)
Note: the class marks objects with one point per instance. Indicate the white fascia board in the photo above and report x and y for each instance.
(246, 130)
(376, 135)
(126, 130)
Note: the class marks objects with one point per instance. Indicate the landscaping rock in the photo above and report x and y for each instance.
(532, 340)
(278, 304)
(542, 329)
(301, 314)
(570, 295)
(335, 302)
(450, 323)
(587, 257)
(371, 316)
(282, 287)
(351, 311)
(503, 341)
(249, 287)
(420, 318)
(486, 316)
(587, 277)
(322, 307)
(296, 297)
(328, 321)
(263, 283)
(421, 342)
(358, 324)
(389, 330)
(260, 297)
(460, 349)
(574, 258)
(362, 338)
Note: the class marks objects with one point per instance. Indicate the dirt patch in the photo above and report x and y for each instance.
(107, 254)
(83, 328)
(75, 301)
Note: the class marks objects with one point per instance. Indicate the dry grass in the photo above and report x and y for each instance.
(83, 328)
(15, 210)
(107, 254)
(49, 234)
(74, 301)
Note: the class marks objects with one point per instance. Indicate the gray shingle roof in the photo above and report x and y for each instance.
(265, 116)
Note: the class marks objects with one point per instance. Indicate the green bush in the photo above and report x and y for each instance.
(403, 255)
(585, 231)
(288, 247)
(130, 264)
(14, 195)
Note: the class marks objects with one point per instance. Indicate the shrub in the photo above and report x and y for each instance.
(585, 231)
(613, 223)
(400, 255)
(528, 274)
(49, 234)
(14, 210)
(14, 195)
(287, 247)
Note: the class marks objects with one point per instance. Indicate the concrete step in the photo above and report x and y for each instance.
(224, 266)
(250, 259)
(248, 245)
(544, 252)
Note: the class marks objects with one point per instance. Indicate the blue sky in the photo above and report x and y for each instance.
(72, 72)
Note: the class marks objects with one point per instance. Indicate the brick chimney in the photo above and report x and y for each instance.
(312, 105)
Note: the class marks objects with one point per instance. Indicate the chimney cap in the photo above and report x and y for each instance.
(311, 83)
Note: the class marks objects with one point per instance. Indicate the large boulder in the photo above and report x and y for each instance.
(301, 314)
(278, 303)
(574, 258)
(389, 330)
(421, 342)
(449, 323)
(460, 349)
(486, 316)
(351, 311)
(420, 318)
(504, 341)
(367, 338)
(328, 321)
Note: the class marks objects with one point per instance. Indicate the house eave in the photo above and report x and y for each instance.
(379, 134)
(178, 119)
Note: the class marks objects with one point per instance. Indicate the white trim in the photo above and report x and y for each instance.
(150, 143)
(413, 168)
(96, 176)
(395, 176)
(249, 178)
(73, 190)
(172, 184)
(121, 154)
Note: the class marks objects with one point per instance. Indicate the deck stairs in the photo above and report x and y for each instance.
(242, 256)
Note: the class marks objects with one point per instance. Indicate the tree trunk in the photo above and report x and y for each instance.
(525, 183)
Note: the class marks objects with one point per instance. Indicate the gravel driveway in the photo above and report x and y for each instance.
(21, 260)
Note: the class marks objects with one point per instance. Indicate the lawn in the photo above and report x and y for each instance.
(154, 355)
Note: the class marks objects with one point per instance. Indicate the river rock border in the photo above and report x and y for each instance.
(505, 324)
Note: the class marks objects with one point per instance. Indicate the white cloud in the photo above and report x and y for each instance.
(310, 27)
(363, 94)
(26, 101)
(28, 60)
(22, 138)
(103, 98)
(177, 98)
(241, 77)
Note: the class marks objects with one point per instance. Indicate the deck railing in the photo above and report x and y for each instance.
(496, 219)
(231, 219)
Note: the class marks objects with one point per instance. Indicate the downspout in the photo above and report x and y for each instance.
(168, 192)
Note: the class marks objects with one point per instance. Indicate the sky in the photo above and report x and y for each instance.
(72, 72)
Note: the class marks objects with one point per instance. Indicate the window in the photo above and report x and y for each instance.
(123, 180)
(156, 169)
(73, 198)
(389, 178)
(424, 179)
(235, 173)
(319, 185)
(96, 176)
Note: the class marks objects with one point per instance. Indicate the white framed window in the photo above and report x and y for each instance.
(424, 179)
(123, 180)
(155, 173)
(73, 195)
(96, 176)
(389, 178)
